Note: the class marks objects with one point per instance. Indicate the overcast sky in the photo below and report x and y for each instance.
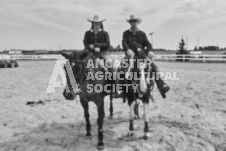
(61, 24)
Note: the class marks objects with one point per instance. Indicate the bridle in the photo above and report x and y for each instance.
(137, 70)
(75, 62)
(81, 77)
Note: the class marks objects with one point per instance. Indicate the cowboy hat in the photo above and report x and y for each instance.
(96, 18)
(133, 17)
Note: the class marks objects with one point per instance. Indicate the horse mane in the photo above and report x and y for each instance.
(80, 55)
(83, 55)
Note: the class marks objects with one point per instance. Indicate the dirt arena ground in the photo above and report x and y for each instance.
(192, 118)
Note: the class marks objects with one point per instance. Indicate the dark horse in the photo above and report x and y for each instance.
(78, 61)
(140, 75)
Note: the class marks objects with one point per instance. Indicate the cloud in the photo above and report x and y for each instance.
(201, 9)
(168, 19)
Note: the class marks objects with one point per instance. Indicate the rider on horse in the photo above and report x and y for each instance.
(135, 40)
(96, 39)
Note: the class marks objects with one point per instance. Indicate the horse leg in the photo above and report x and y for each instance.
(85, 106)
(146, 129)
(124, 99)
(111, 105)
(136, 110)
(100, 121)
(131, 126)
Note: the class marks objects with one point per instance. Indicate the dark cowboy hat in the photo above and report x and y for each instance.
(133, 17)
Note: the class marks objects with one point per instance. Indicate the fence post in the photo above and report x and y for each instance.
(166, 58)
(183, 58)
(204, 58)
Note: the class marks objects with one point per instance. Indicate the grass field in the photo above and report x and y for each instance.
(192, 118)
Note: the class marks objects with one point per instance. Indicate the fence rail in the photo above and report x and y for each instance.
(197, 58)
(36, 57)
(172, 57)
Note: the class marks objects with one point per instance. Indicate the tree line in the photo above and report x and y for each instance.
(209, 48)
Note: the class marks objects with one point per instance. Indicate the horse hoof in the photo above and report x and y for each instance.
(111, 117)
(88, 136)
(146, 136)
(100, 146)
(136, 117)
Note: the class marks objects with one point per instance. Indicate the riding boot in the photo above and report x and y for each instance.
(162, 86)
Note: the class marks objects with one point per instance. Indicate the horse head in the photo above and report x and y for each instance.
(78, 67)
(141, 73)
(73, 68)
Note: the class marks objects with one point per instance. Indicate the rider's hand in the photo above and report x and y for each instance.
(86, 50)
(91, 46)
(129, 53)
(96, 44)
(151, 54)
(97, 49)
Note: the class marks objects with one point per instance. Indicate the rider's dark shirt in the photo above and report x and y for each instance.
(134, 42)
(100, 40)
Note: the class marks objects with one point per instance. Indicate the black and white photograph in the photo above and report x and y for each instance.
(112, 75)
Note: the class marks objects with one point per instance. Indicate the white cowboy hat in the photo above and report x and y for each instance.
(133, 17)
(96, 18)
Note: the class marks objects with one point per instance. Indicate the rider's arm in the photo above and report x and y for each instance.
(124, 42)
(147, 43)
(125, 45)
(85, 41)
